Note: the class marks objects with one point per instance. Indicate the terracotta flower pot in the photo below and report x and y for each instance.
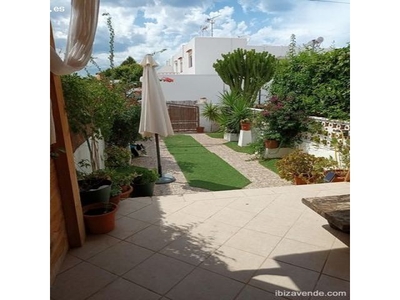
(200, 129)
(301, 180)
(271, 144)
(115, 199)
(245, 126)
(126, 191)
(100, 217)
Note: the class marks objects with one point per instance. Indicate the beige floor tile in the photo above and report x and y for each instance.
(254, 242)
(199, 196)
(121, 257)
(126, 226)
(259, 192)
(122, 289)
(311, 231)
(201, 209)
(202, 284)
(283, 189)
(214, 232)
(275, 276)
(169, 207)
(131, 205)
(233, 217)
(342, 239)
(93, 245)
(339, 289)
(252, 293)
(300, 254)
(230, 194)
(338, 264)
(159, 273)
(169, 198)
(252, 203)
(154, 237)
(69, 262)
(222, 202)
(293, 200)
(287, 209)
(233, 263)
(149, 214)
(189, 249)
(80, 282)
(314, 187)
(180, 221)
(272, 223)
(339, 191)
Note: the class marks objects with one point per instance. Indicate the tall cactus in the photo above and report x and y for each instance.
(246, 71)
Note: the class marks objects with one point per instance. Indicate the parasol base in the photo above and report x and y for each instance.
(166, 178)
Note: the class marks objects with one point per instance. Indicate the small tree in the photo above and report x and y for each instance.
(246, 71)
(91, 106)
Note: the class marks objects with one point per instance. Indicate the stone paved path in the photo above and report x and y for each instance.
(259, 176)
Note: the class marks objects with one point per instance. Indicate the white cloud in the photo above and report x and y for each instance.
(148, 26)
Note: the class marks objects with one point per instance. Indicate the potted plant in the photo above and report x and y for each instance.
(341, 146)
(117, 156)
(211, 112)
(99, 217)
(123, 181)
(233, 109)
(245, 124)
(94, 187)
(271, 138)
(143, 183)
(115, 194)
(287, 116)
(303, 168)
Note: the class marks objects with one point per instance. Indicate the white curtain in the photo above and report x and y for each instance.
(82, 29)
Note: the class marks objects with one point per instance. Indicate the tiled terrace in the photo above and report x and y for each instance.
(242, 244)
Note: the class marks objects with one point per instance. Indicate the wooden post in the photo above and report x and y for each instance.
(65, 165)
(347, 178)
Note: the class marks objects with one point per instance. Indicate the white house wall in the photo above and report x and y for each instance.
(206, 50)
(82, 153)
(193, 87)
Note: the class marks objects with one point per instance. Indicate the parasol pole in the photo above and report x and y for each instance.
(158, 156)
(166, 178)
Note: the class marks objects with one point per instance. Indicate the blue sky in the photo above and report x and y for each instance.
(146, 26)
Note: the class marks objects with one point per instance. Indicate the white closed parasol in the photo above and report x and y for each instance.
(154, 118)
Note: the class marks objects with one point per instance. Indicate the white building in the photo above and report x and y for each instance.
(192, 71)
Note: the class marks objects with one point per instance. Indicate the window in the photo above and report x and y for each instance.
(180, 64)
(190, 58)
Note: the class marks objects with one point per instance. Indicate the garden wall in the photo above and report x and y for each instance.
(325, 142)
(82, 152)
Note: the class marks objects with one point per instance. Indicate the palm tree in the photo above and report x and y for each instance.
(212, 113)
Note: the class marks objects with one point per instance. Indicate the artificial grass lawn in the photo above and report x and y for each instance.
(216, 135)
(270, 164)
(202, 168)
(245, 149)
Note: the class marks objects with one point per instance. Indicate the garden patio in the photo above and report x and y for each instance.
(242, 244)
(250, 243)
